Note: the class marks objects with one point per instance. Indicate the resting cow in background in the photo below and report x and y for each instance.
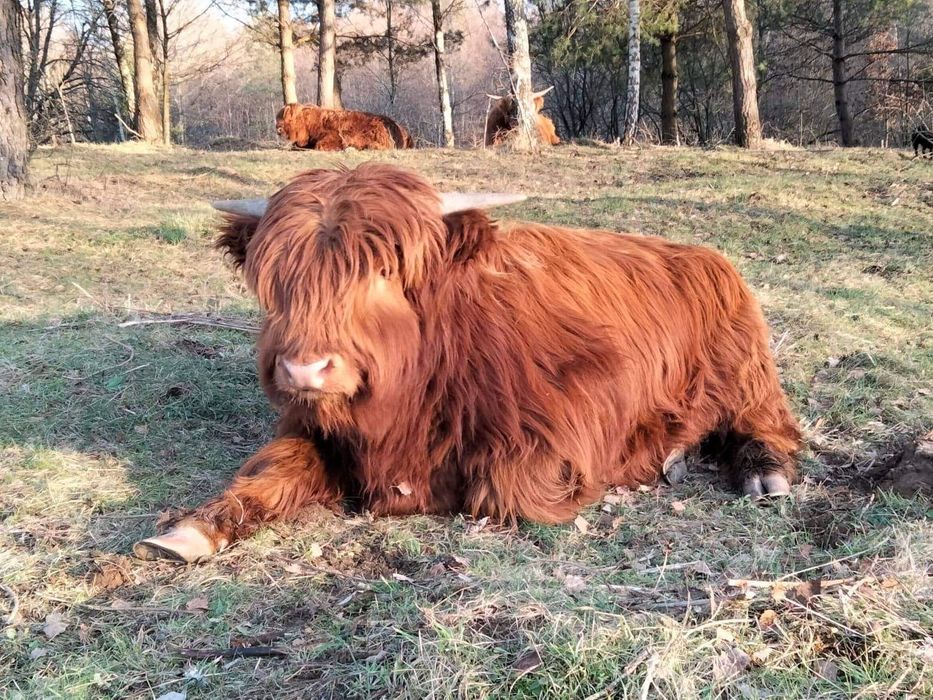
(427, 359)
(922, 140)
(310, 126)
(503, 119)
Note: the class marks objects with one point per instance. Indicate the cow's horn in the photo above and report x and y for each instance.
(543, 92)
(493, 97)
(242, 207)
(459, 201)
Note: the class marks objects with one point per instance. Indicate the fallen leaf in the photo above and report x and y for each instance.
(767, 619)
(527, 662)
(173, 695)
(803, 592)
(54, 625)
(581, 524)
(700, 568)
(730, 663)
(197, 604)
(437, 570)
(574, 583)
(827, 669)
(612, 499)
(780, 258)
(141, 429)
(477, 525)
(403, 488)
(402, 577)
(806, 550)
(760, 656)
(832, 361)
(722, 634)
(678, 507)
(120, 604)
(38, 653)
(315, 551)
(293, 568)
(108, 576)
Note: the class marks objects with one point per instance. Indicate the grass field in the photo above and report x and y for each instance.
(669, 592)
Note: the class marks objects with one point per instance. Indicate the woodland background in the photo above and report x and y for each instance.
(217, 71)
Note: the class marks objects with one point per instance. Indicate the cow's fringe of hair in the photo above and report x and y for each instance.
(512, 370)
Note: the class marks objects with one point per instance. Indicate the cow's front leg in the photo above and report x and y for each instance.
(276, 482)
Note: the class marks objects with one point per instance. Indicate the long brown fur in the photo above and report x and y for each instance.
(310, 126)
(503, 118)
(512, 370)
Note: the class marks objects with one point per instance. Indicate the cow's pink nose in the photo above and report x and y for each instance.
(310, 376)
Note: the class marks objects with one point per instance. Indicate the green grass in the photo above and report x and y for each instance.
(104, 426)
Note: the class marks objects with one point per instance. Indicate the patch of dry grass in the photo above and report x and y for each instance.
(672, 592)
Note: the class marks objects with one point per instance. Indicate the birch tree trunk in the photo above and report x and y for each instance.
(634, 72)
(440, 67)
(669, 132)
(147, 107)
(287, 53)
(14, 138)
(166, 84)
(327, 53)
(119, 54)
(744, 83)
(526, 137)
(840, 79)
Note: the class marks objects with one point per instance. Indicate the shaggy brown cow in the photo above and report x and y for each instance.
(309, 126)
(503, 118)
(427, 359)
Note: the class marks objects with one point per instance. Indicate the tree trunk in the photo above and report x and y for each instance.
(119, 54)
(526, 137)
(840, 81)
(287, 53)
(147, 107)
(669, 133)
(440, 67)
(338, 89)
(14, 138)
(634, 72)
(152, 29)
(166, 84)
(327, 53)
(744, 84)
(390, 51)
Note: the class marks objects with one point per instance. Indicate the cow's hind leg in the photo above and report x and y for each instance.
(758, 452)
(276, 482)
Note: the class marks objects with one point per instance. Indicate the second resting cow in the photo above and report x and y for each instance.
(310, 126)
(503, 119)
(425, 358)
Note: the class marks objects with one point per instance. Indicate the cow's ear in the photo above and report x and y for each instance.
(235, 234)
(468, 233)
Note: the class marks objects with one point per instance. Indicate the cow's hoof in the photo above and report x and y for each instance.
(184, 543)
(761, 487)
(675, 468)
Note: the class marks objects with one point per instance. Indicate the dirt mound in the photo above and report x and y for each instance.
(912, 472)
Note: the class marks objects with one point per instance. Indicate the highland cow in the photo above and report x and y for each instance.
(425, 358)
(309, 126)
(503, 119)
